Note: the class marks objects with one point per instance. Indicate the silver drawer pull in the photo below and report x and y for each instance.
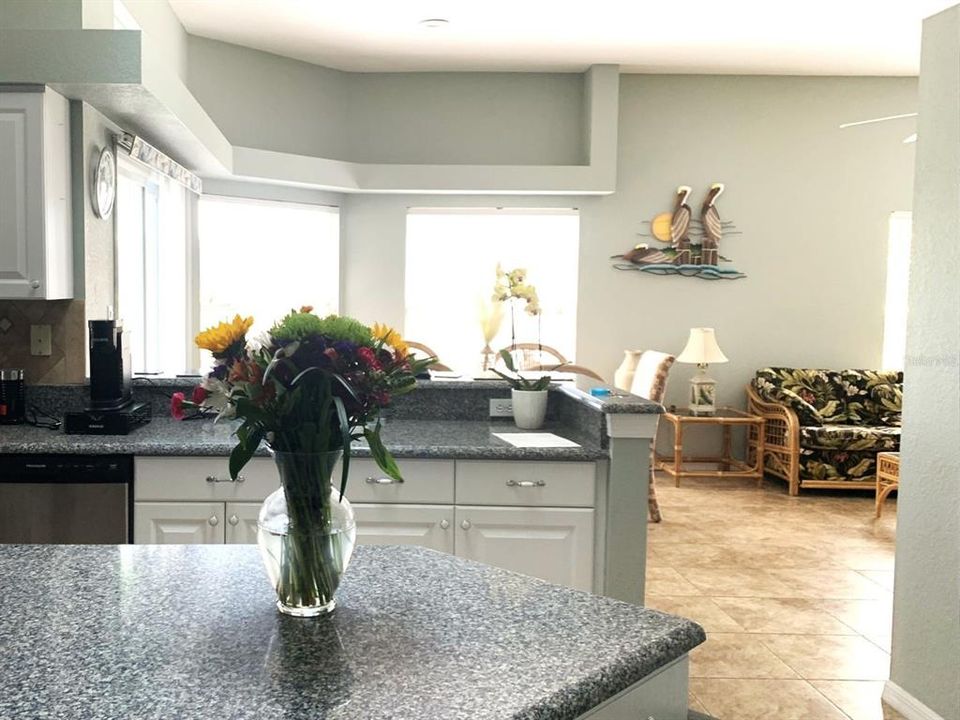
(526, 483)
(383, 481)
(215, 479)
(214, 520)
(444, 524)
(233, 520)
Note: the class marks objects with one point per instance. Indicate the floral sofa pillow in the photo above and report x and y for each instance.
(814, 395)
(873, 397)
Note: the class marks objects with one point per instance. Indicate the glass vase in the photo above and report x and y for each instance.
(306, 533)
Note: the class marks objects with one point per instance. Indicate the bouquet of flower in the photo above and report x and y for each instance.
(311, 385)
(308, 389)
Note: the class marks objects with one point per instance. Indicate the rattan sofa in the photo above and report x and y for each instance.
(824, 428)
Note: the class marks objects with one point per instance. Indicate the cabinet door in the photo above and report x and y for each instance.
(21, 195)
(171, 523)
(428, 526)
(555, 544)
(242, 523)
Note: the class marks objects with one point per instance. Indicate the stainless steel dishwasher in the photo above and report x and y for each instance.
(66, 499)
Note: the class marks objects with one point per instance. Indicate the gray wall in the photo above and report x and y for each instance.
(812, 201)
(269, 102)
(926, 632)
(466, 118)
(93, 236)
(274, 103)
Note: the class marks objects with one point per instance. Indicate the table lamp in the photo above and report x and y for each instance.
(701, 350)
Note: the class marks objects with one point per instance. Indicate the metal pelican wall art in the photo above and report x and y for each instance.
(699, 257)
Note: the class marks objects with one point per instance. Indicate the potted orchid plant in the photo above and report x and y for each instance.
(309, 389)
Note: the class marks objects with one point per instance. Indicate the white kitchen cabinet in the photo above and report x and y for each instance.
(555, 544)
(429, 526)
(178, 523)
(241, 526)
(36, 241)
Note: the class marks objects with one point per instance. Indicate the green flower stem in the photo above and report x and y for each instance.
(311, 557)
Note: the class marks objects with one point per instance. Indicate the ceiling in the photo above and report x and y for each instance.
(814, 37)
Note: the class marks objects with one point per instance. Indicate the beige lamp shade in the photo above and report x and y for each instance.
(702, 348)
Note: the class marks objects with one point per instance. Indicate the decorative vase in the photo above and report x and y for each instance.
(623, 377)
(529, 408)
(306, 533)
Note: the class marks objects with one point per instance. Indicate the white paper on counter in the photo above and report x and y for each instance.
(535, 440)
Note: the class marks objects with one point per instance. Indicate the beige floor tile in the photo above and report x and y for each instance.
(867, 617)
(667, 581)
(830, 657)
(883, 578)
(699, 609)
(763, 700)
(695, 704)
(735, 655)
(859, 699)
(829, 584)
(864, 557)
(781, 615)
(735, 582)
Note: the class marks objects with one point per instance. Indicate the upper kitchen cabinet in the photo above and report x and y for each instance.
(36, 240)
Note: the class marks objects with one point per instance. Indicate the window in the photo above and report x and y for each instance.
(898, 272)
(152, 236)
(451, 260)
(262, 258)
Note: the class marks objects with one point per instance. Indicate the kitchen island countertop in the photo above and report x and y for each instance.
(463, 439)
(191, 631)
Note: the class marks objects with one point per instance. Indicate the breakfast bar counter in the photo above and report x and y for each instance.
(192, 631)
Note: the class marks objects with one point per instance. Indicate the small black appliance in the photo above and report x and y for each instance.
(112, 410)
(12, 406)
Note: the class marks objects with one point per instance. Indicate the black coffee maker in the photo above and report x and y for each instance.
(110, 377)
(112, 410)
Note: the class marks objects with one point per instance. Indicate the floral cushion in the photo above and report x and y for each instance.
(873, 397)
(816, 464)
(850, 438)
(814, 395)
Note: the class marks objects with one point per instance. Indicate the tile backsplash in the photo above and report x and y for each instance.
(67, 361)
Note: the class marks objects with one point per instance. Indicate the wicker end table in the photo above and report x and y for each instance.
(727, 465)
(888, 476)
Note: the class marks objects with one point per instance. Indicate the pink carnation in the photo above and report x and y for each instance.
(199, 395)
(176, 405)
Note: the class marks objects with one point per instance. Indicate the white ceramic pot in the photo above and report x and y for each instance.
(529, 408)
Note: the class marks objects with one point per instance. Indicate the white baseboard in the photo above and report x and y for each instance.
(906, 704)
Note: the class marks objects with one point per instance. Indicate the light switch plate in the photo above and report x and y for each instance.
(40, 343)
(501, 407)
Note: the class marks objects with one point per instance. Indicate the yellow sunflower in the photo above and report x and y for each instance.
(390, 337)
(220, 337)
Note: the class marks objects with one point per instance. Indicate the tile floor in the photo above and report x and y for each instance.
(794, 593)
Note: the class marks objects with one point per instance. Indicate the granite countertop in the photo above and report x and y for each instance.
(192, 631)
(464, 439)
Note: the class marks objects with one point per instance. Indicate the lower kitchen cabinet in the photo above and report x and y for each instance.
(555, 544)
(429, 526)
(171, 523)
(241, 525)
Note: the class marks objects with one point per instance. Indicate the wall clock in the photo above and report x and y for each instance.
(104, 184)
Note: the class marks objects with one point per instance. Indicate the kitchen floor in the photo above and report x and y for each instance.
(795, 594)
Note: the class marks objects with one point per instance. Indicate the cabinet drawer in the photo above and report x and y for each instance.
(530, 484)
(424, 482)
(185, 478)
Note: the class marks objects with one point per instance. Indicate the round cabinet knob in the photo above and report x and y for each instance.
(211, 478)
(240, 478)
(466, 525)
(444, 524)
(214, 520)
(233, 520)
(35, 284)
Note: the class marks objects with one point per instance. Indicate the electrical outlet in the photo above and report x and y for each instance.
(501, 407)
(40, 344)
